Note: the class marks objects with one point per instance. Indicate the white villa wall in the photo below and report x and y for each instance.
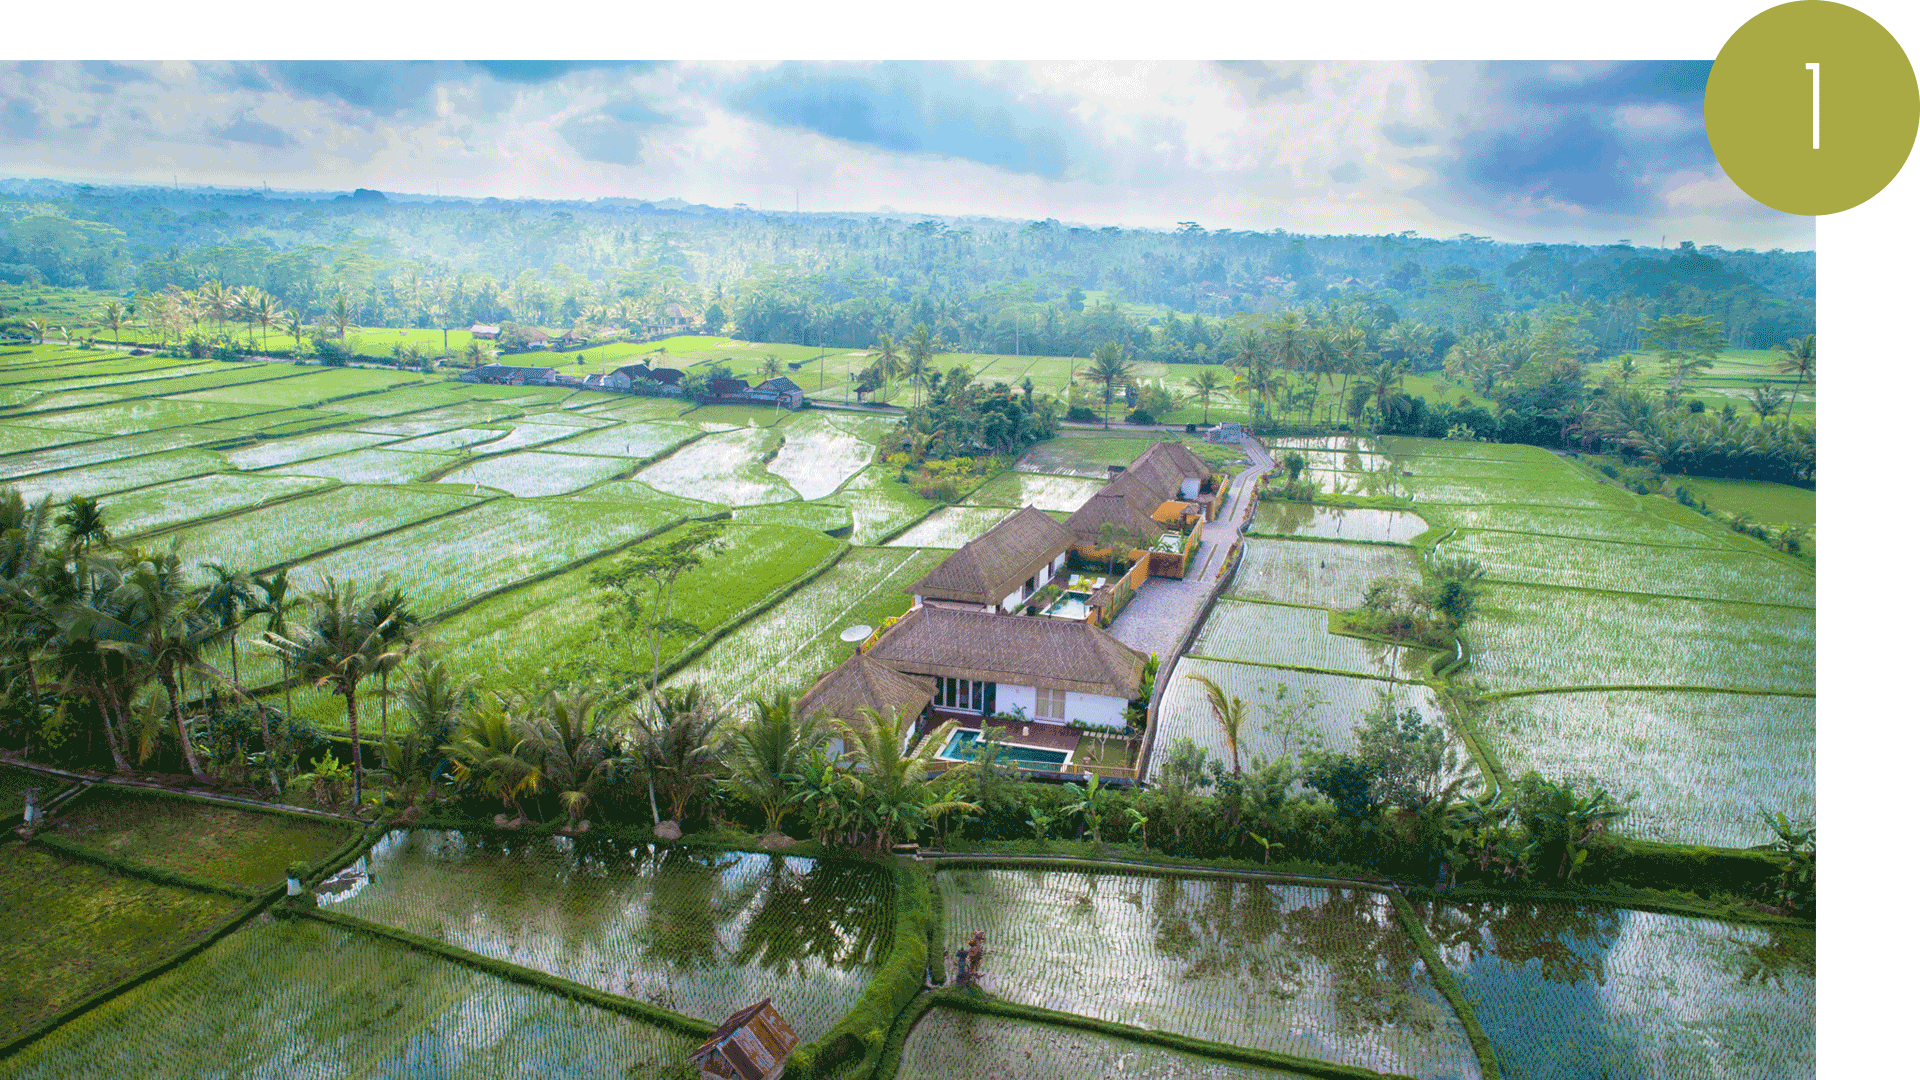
(1007, 697)
(1097, 710)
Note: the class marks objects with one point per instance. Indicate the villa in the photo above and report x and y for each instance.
(865, 683)
(999, 569)
(1054, 671)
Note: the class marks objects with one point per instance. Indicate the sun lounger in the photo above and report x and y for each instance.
(1100, 584)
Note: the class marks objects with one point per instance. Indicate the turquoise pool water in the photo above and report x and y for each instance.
(961, 748)
(1071, 605)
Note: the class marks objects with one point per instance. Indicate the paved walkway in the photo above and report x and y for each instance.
(1163, 610)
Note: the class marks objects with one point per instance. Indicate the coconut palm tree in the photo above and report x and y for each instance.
(886, 361)
(680, 749)
(921, 348)
(1384, 388)
(1230, 712)
(1110, 368)
(340, 315)
(563, 736)
(1205, 386)
(764, 754)
(484, 754)
(889, 785)
(400, 628)
(276, 599)
(84, 526)
(230, 602)
(1796, 360)
(339, 645)
(1765, 400)
(113, 316)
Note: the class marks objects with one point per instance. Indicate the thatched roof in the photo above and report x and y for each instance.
(991, 566)
(864, 683)
(1165, 464)
(1021, 650)
(1103, 507)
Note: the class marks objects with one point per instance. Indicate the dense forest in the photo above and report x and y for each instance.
(982, 285)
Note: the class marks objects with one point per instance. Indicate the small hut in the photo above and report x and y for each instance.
(861, 682)
(752, 1044)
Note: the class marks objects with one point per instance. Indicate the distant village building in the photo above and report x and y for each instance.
(779, 390)
(752, 1044)
(484, 333)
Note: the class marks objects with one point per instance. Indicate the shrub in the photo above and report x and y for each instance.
(1139, 416)
(1191, 428)
(1080, 414)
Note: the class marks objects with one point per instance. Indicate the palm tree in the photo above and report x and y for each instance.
(886, 363)
(84, 525)
(921, 348)
(1797, 361)
(230, 603)
(889, 782)
(276, 600)
(1765, 400)
(677, 737)
(764, 754)
(218, 300)
(400, 626)
(484, 752)
(562, 737)
(36, 330)
(340, 315)
(1384, 384)
(113, 316)
(1204, 386)
(1230, 712)
(1110, 368)
(340, 644)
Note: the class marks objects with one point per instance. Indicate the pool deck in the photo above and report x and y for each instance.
(1043, 735)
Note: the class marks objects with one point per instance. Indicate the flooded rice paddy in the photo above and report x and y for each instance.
(701, 935)
(949, 1043)
(1280, 518)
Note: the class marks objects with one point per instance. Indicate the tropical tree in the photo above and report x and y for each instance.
(1230, 712)
(83, 525)
(1384, 390)
(1205, 386)
(340, 315)
(484, 755)
(399, 637)
(680, 750)
(113, 316)
(1797, 360)
(563, 736)
(886, 360)
(1110, 368)
(889, 788)
(638, 589)
(339, 645)
(1765, 400)
(921, 348)
(230, 602)
(765, 752)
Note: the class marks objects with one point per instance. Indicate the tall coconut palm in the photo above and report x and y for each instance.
(113, 316)
(1205, 386)
(1110, 368)
(886, 359)
(400, 628)
(1230, 712)
(340, 315)
(1796, 360)
(764, 754)
(1384, 385)
(338, 646)
(230, 602)
(219, 301)
(921, 348)
(563, 735)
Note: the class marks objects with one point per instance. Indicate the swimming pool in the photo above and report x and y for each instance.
(1071, 605)
(960, 747)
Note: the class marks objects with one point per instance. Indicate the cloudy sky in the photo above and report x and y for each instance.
(1577, 151)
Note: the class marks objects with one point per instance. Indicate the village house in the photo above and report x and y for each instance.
(483, 332)
(506, 375)
(779, 390)
(999, 569)
(1055, 671)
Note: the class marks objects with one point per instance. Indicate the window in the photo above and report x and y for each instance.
(961, 695)
(1049, 704)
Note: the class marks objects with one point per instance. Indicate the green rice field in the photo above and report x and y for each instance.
(1320, 573)
(1317, 972)
(698, 934)
(1279, 518)
(1583, 991)
(228, 844)
(1298, 637)
(320, 1001)
(951, 1042)
(1018, 489)
(951, 527)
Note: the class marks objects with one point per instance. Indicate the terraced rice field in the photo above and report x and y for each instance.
(283, 532)
(70, 929)
(951, 527)
(1323, 973)
(726, 468)
(320, 444)
(76, 455)
(1090, 455)
(699, 934)
(949, 1042)
(1585, 992)
(1527, 637)
(302, 999)
(493, 545)
(1708, 768)
(533, 473)
(1624, 567)
(120, 475)
(1298, 637)
(817, 455)
(1630, 526)
(134, 417)
(1018, 489)
(371, 466)
(631, 440)
(240, 847)
(1282, 518)
(150, 508)
(1323, 574)
(1277, 728)
(796, 642)
(880, 504)
(523, 435)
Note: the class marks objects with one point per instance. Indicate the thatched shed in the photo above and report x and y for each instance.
(861, 682)
(1002, 562)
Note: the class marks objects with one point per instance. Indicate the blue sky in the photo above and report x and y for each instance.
(1580, 151)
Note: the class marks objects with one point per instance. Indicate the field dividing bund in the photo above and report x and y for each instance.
(301, 998)
(1312, 972)
(957, 1041)
(696, 934)
(1569, 991)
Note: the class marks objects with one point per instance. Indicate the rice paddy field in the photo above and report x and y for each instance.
(700, 935)
(1048, 492)
(1582, 992)
(1276, 518)
(325, 1002)
(239, 847)
(1319, 573)
(950, 1042)
(1317, 972)
(1297, 637)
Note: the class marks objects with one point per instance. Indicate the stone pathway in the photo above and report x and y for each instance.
(1163, 610)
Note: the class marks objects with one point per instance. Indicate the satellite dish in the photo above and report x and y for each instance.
(856, 633)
